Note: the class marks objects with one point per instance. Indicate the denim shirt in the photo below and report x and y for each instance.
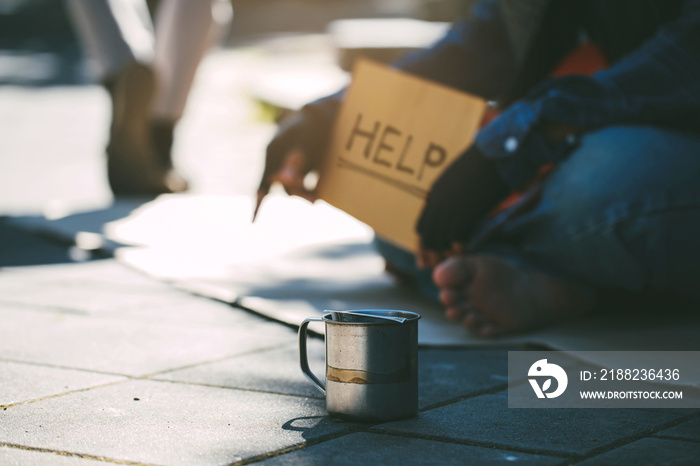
(657, 82)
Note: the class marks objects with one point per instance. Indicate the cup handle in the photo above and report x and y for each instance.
(303, 358)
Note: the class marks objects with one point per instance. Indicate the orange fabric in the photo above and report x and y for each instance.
(587, 59)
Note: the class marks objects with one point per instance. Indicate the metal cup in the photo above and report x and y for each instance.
(371, 363)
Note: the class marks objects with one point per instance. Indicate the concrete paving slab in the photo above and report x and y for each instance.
(100, 272)
(20, 457)
(687, 431)
(24, 382)
(168, 423)
(365, 448)
(125, 347)
(87, 298)
(275, 371)
(649, 452)
(91, 296)
(486, 420)
(449, 374)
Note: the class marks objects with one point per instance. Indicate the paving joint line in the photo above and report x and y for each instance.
(475, 394)
(56, 366)
(117, 287)
(115, 315)
(262, 316)
(212, 361)
(679, 439)
(477, 443)
(71, 454)
(634, 438)
(59, 395)
(250, 390)
(44, 307)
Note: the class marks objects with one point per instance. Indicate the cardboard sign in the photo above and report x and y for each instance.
(394, 135)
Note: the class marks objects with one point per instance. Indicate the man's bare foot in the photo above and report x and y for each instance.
(492, 296)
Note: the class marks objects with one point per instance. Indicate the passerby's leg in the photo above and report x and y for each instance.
(118, 35)
(185, 30)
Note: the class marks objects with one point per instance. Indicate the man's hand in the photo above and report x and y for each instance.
(460, 198)
(298, 148)
(286, 161)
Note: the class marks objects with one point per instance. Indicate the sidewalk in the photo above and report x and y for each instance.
(99, 364)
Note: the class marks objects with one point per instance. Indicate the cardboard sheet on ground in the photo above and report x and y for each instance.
(299, 259)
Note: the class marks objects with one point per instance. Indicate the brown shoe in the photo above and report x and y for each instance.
(133, 166)
(162, 132)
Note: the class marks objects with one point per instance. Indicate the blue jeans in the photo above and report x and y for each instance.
(622, 212)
